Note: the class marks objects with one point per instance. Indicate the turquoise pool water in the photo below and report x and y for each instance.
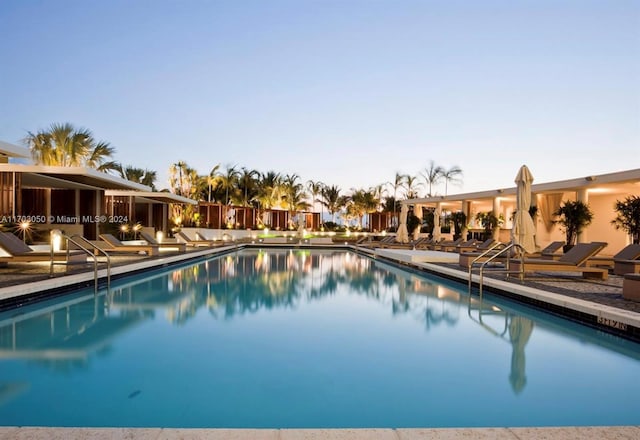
(298, 338)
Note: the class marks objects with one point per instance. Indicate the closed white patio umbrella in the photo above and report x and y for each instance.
(436, 233)
(417, 211)
(402, 235)
(524, 229)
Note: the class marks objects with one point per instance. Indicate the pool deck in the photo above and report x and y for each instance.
(595, 432)
(601, 300)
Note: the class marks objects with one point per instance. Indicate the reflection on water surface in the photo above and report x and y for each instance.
(311, 300)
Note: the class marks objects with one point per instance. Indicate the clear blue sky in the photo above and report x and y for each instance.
(346, 92)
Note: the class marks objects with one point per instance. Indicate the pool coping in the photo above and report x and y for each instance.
(86, 279)
(598, 311)
(568, 432)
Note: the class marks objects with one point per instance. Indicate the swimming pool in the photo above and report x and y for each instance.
(299, 338)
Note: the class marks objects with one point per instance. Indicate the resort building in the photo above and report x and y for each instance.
(600, 192)
(76, 200)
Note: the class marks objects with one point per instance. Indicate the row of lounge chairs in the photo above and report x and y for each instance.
(573, 261)
(12, 249)
(582, 258)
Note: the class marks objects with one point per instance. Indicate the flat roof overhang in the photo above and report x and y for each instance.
(40, 176)
(613, 183)
(10, 150)
(152, 196)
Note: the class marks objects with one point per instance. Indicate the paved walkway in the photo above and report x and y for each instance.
(590, 433)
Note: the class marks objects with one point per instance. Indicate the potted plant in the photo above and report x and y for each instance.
(574, 217)
(628, 217)
(489, 222)
(459, 220)
(413, 222)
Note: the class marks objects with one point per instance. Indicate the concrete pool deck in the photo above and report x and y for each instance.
(565, 433)
(569, 292)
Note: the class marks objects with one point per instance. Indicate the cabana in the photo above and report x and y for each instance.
(72, 199)
(600, 192)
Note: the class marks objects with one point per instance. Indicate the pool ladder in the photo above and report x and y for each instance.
(489, 256)
(88, 248)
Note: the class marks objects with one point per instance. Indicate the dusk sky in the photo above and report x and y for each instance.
(345, 92)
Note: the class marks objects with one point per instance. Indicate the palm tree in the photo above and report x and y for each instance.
(390, 204)
(98, 155)
(362, 202)
(315, 189)
(269, 188)
(212, 180)
(64, 145)
(432, 175)
(343, 202)
(293, 195)
(397, 183)
(228, 181)
(379, 193)
(330, 198)
(451, 175)
(180, 178)
(411, 185)
(247, 184)
(138, 175)
(267, 192)
(183, 181)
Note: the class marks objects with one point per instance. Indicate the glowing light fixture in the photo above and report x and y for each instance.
(25, 227)
(56, 239)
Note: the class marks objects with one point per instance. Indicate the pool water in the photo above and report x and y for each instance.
(299, 338)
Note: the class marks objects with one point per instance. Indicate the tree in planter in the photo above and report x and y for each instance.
(628, 217)
(459, 220)
(489, 222)
(413, 222)
(574, 217)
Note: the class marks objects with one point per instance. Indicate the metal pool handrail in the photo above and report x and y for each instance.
(506, 250)
(80, 241)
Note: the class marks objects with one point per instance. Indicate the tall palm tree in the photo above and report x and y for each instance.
(411, 186)
(228, 181)
(331, 199)
(390, 204)
(293, 194)
(379, 192)
(269, 188)
(397, 184)
(179, 180)
(362, 202)
(212, 180)
(452, 175)
(64, 145)
(432, 175)
(247, 184)
(314, 188)
(183, 181)
(98, 155)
